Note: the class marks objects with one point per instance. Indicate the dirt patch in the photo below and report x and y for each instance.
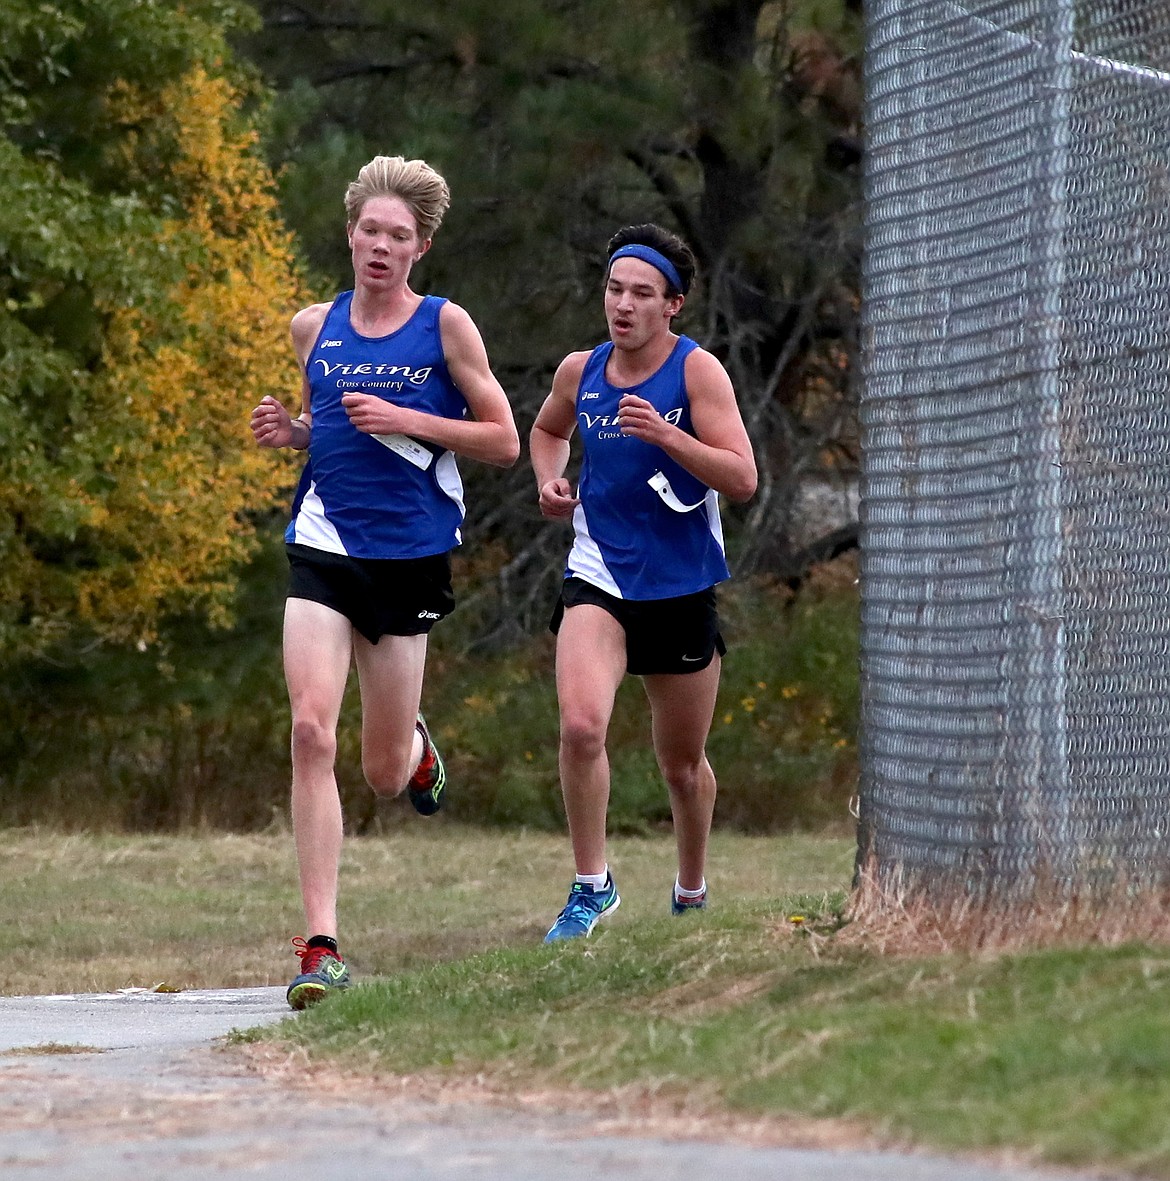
(615, 1111)
(620, 1112)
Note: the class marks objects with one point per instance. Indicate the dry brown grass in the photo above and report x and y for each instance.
(97, 912)
(889, 915)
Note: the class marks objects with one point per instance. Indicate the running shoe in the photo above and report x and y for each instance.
(683, 905)
(322, 972)
(585, 908)
(429, 781)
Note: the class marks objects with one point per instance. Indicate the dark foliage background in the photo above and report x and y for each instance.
(735, 122)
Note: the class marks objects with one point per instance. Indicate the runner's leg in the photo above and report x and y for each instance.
(317, 649)
(681, 709)
(591, 661)
(390, 674)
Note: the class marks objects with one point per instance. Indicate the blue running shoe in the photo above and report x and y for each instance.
(585, 908)
(322, 972)
(429, 781)
(684, 905)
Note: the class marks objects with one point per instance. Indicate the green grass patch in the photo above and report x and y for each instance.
(49, 1050)
(1062, 1056)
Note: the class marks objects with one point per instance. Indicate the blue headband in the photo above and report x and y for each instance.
(650, 255)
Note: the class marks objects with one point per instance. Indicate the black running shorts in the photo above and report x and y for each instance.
(379, 596)
(663, 636)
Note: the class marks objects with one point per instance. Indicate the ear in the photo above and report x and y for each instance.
(423, 247)
(674, 306)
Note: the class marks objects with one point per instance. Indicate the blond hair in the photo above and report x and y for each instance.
(414, 182)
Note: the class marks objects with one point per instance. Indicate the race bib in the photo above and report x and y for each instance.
(661, 485)
(410, 449)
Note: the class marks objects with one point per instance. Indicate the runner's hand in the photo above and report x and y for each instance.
(271, 424)
(639, 419)
(557, 499)
(373, 415)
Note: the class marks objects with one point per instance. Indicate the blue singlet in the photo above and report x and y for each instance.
(357, 496)
(629, 541)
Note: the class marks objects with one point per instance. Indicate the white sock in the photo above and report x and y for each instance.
(596, 880)
(689, 895)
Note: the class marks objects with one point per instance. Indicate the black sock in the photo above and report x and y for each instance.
(325, 941)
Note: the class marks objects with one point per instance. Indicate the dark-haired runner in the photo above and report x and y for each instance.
(662, 438)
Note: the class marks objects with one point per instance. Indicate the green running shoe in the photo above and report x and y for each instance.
(429, 782)
(584, 910)
(322, 972)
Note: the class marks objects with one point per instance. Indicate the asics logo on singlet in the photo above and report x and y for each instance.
(589, 394)
(428, 615)
(589, 421)
(331, 344)
(414, 376)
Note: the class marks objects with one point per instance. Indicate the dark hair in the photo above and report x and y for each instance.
(669, 245)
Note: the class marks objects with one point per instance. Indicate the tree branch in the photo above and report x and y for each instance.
(667, 188)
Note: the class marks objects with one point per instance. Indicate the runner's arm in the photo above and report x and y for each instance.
(719, 453)
(271, 423)
(489, 435)
(548, 442)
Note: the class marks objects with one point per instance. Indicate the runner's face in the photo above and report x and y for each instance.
(636, 305)
(384, 243)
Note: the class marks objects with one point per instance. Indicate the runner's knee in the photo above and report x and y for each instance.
(387, 769)
(684, 776)
(313, 741)
(582, 736)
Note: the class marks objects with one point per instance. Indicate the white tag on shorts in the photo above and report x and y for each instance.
(661, 485)
(410, 449)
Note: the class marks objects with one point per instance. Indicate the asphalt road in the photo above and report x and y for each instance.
(135, 1086)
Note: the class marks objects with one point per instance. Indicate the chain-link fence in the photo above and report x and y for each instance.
(1016, 416)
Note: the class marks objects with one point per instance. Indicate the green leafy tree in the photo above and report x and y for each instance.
(734, 121)
(145, 291)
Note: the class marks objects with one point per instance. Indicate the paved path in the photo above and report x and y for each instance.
(152, 1096)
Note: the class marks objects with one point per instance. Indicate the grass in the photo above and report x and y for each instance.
(772, 1008)
(49, 1050)
(96, 912)
(1059, 1056)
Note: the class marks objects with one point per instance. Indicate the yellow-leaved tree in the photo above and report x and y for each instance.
(146, 286)
(184, 477)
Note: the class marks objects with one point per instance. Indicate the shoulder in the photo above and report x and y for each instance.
(459, 337)
(456, 327)
(704, 370)
(570, 369)
(306, 324)
(452, 316)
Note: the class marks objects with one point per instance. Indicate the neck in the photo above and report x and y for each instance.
(374, 313)
(630, 366)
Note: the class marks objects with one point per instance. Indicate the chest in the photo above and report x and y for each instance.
(598, 400)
